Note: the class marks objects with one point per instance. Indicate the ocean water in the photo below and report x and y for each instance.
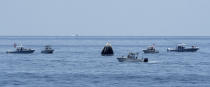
(77, 63)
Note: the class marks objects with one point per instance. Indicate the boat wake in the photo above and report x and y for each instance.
(154, 62)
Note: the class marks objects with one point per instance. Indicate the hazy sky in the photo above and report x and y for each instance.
(105, 17)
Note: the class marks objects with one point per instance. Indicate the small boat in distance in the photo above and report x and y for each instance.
(132, 57)
(21, 50)
(47, 50)
(75, 35)
(182, 48)
(151, 49)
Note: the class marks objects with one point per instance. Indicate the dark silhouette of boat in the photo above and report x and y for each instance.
(107, 50)
(48, 50)
(182, 48)
(132, 57)
(21, 50)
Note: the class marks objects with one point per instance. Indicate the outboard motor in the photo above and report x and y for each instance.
(107, 51)
(146, 60)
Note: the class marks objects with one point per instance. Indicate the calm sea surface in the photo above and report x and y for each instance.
(77, 63)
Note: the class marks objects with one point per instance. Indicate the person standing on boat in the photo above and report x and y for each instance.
(15, 45)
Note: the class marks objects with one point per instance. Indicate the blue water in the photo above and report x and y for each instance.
(77, 63)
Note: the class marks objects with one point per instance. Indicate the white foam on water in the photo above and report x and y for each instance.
(153, 62)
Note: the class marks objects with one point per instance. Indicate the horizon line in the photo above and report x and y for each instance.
(95, 36)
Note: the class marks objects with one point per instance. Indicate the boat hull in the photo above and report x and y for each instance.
(47, 51)
(150, 51)
(21, 52)
(132, 60)
(184, 50)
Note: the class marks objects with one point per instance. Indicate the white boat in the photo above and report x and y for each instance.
(132, 57)
(151, 49)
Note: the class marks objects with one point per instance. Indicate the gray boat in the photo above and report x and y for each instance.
(132, 57)
(182, 48)
(150, 49)
(21, 50)
(47, 50)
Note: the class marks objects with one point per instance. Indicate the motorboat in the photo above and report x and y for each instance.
(47, 50)
(150, 49)
(132, 57)
(21, 50)
(182, 48)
